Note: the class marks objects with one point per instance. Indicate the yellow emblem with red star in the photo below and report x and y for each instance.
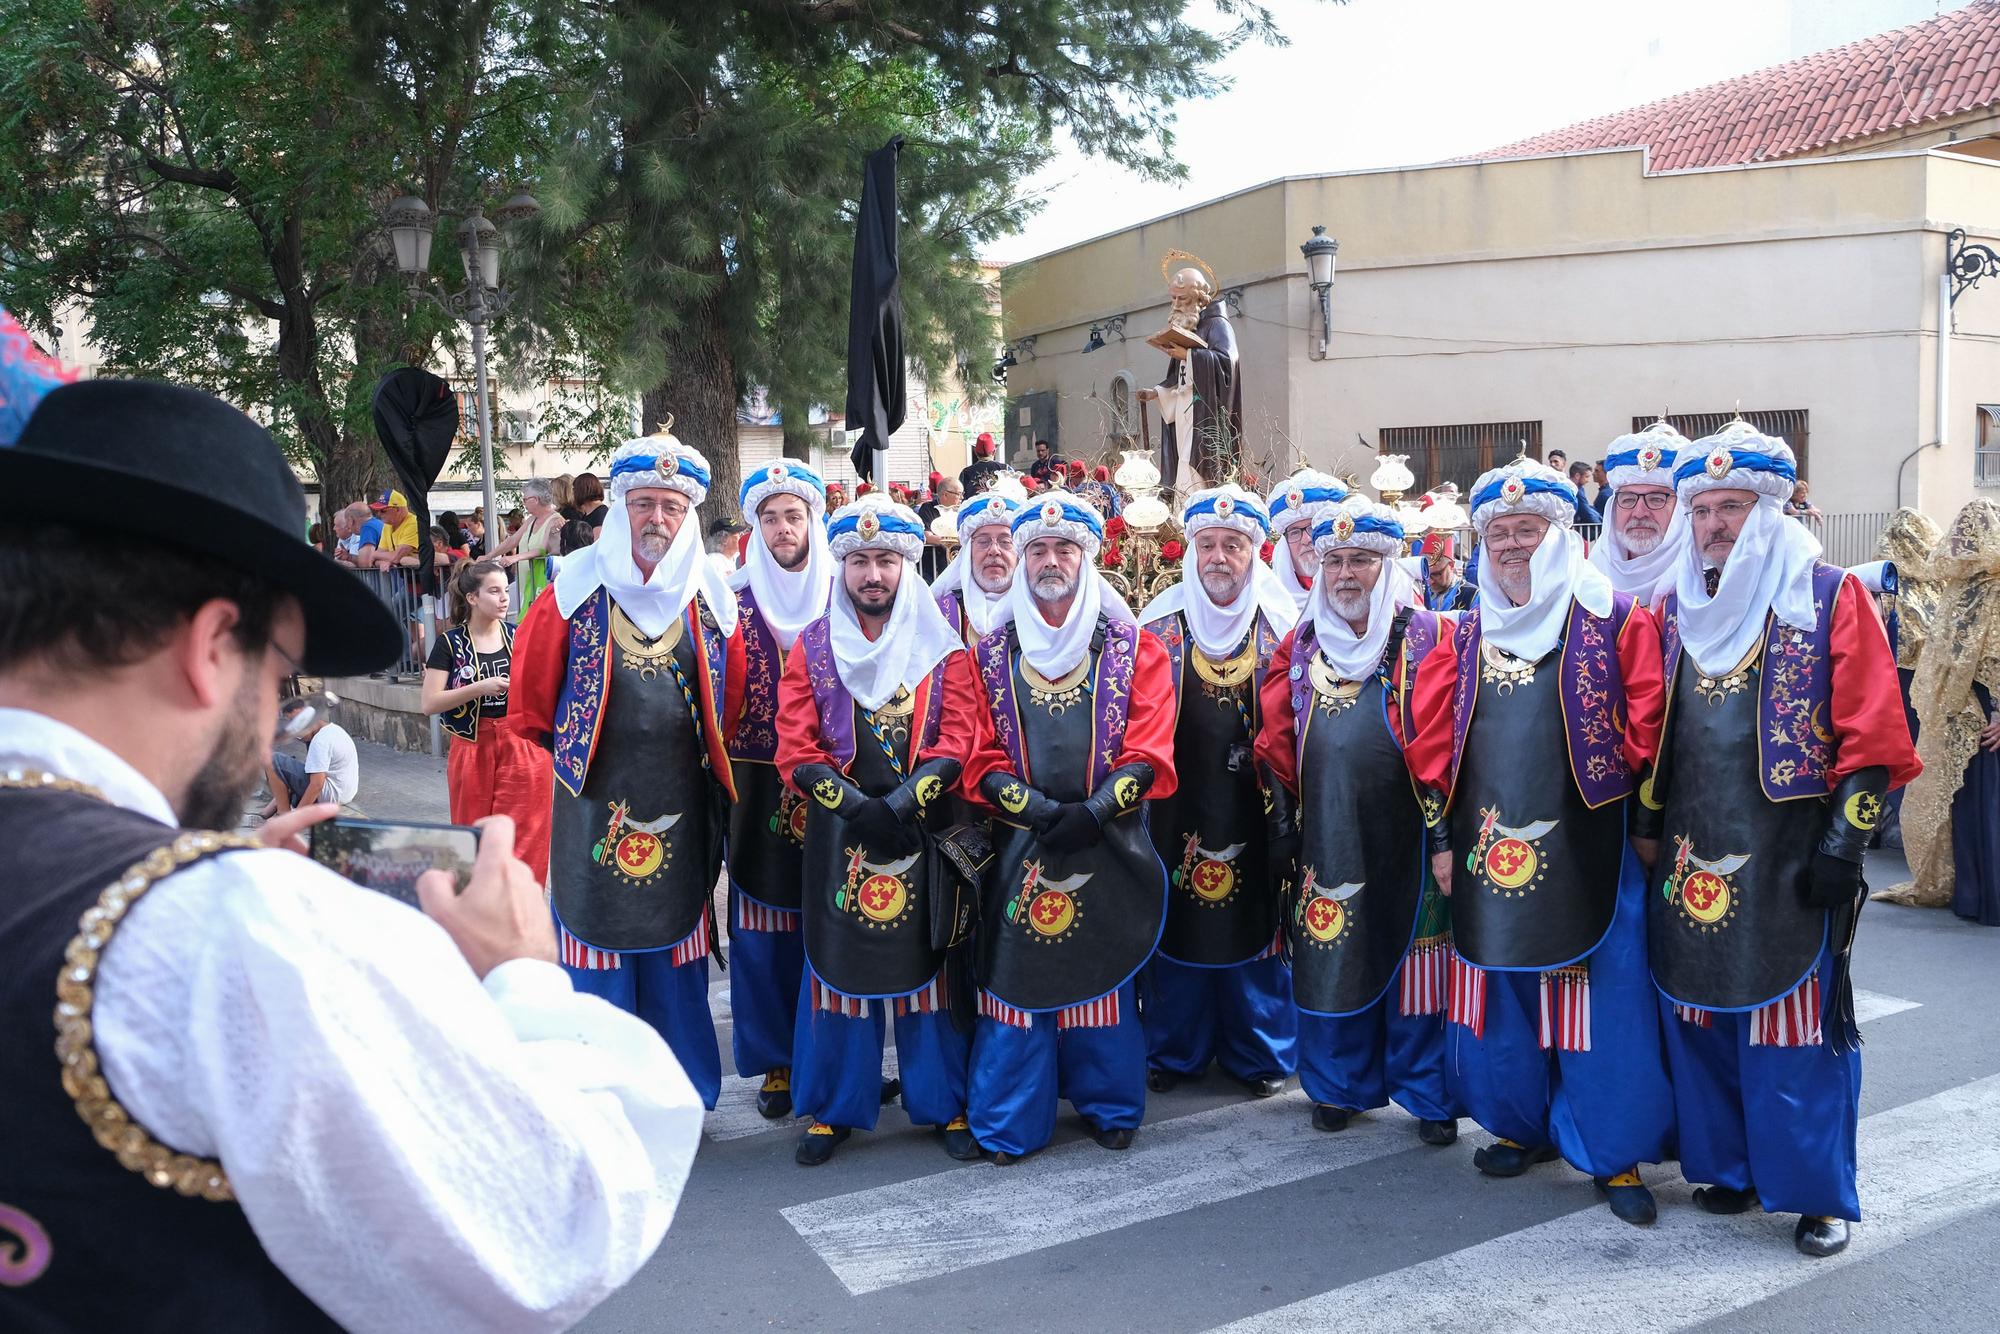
(1701, 888)
(1322, 910)
(636, 849)
(1510, 863)
(1048, 909)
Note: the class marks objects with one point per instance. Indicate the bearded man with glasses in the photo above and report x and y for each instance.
(1783, 730)
(1645, 532)
(627, 669)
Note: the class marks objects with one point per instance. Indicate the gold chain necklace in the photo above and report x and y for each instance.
(1715, 689)
(1056, 696)
(82, 1074)
(1502, 670)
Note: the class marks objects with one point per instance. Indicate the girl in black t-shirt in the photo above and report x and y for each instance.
(492, 770)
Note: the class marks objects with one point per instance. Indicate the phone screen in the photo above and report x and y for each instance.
(388, 856)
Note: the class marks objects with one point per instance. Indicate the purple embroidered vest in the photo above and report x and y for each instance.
(1110, 696)
(756, 735)
(580, 707)
(1795, 690)
(1593, 698)
(836, 705)
(1420, 636)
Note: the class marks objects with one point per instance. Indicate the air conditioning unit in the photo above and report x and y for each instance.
(518, 427)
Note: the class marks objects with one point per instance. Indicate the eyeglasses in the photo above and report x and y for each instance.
(1354, 560)
(1728, 509)
(641, 506)
(1652, 500)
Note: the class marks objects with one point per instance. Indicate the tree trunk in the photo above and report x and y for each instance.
(796, 419)
(699, 391)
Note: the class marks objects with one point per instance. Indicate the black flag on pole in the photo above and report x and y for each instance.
(416, 417)
(875, 403)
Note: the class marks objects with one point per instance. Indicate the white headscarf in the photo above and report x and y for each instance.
(1558, 572)
(1217, 631)
(1769, 570)
(1355, 657)
(1053, 650)
(983, 610)
(651, 602)
(789, 600)
(915, 640)
(1771, 564)
(1647, 578)
(1306, 492)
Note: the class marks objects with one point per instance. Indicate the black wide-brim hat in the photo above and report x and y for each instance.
(178, 467)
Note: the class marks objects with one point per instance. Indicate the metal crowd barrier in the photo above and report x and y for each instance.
(397, 588)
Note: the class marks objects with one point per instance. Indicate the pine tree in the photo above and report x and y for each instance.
(709, 184)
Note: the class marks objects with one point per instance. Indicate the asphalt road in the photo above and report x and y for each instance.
(1229, 1213)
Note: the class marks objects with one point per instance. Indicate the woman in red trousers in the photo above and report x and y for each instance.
(492, 770)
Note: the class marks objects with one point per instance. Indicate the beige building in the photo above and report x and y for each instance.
(1556, 299)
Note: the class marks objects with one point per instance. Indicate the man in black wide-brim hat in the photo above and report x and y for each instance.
(249, 1113)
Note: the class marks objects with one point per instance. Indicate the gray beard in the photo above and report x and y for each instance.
(1518, 587)
(991, 590)
(1351, 606)
(1222, 589)
(653, 548)
(1643, 544)
(1054, 588)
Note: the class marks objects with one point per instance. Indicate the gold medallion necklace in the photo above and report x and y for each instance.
(638, 653)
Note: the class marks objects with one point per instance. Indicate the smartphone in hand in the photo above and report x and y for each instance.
(388, 855)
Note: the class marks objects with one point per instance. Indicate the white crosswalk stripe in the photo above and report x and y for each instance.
(1920, 1171)
(975, 1215)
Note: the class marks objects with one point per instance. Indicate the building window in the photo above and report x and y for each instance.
(1440, 454)
(1986, 449)
(1791, 425)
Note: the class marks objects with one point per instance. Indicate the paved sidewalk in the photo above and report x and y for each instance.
(399, 785)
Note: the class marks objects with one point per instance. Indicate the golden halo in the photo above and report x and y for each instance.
(1166, 268)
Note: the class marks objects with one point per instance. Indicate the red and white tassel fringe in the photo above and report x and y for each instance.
(1425, 976)
(1566, 1009)
(1468, 995)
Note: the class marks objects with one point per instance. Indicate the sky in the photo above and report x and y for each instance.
(1380, 83)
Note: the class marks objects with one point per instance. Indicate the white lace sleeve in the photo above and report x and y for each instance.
(414, 1150)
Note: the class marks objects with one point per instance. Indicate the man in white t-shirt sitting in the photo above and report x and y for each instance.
(331, 771)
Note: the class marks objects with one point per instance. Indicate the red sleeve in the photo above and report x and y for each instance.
(1429, 752)
(735, 674)
(1869, 725)
(965, 732)
(798, 719)
(1644, 674)
(541, 660)
(1277, 732)
(1149, 720)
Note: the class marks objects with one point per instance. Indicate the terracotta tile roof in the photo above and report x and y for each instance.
(1944, 67)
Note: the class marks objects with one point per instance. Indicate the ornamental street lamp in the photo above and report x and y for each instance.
(1320, 252)
(410, 224)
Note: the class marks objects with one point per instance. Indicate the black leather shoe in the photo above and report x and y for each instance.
(1112, 1139)
(1438, 1132)
(1628, 1197)
(1820, 1237)
(959, 1143)
(1266, 1087)
(775, 1098)
(892, 1089)
(819, 1142)
(1505, 1158)
(1723, 1200)
(1161, 1080)
(1328, 1117)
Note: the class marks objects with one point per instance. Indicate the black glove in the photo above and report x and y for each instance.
(1647, 817)
(828, 788)
(1836, 867)
(881, 830)
(1281, 829)
(1122, 790)
(1070, 828)
(923, 788)
(1437, 828)
(1015, 800)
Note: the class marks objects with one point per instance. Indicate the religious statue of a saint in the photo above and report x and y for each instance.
(1201, 398)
